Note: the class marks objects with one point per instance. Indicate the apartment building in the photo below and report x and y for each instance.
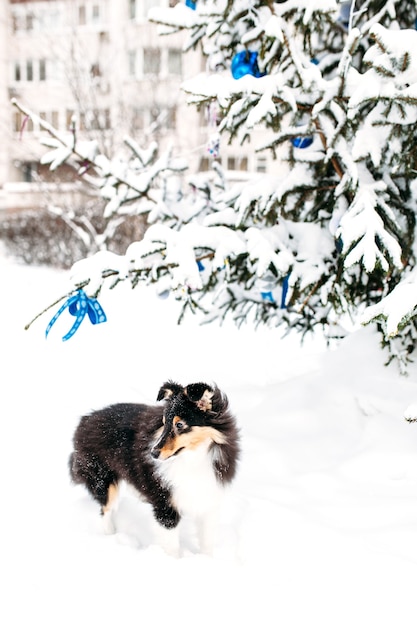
(102, 64)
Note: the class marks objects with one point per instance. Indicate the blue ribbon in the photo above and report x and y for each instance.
(79, 305)
(284, 292)
(268, 296)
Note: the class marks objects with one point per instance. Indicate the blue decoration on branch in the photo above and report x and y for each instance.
(79, 305)
(267, 296)
(344, 15)
(302, 142)
(269, 290)
(284, 292)
(213, 146)
(192, 5)
(246, 62)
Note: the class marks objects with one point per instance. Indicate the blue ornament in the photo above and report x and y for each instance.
(200, 266)
(244, 63)
(302, 142)
(192, 5)
(79, 305)
(267, 296)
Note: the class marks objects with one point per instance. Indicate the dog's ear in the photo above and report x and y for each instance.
(201, 394)
(168, 390)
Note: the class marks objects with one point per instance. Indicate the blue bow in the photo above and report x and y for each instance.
(268, 296)
(79, 305)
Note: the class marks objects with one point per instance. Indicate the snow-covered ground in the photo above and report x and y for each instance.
(321, 527)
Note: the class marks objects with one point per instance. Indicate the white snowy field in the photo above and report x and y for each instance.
(321, 527)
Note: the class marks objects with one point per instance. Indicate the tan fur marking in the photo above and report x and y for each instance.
(111, 497)
(191, 440)
(205, 403)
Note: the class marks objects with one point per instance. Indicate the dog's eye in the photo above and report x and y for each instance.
(180, 426)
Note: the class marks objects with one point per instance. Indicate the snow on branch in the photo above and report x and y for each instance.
(120, 180)
(363, 233)
(397, 307)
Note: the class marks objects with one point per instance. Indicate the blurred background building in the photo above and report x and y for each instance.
(98, 66)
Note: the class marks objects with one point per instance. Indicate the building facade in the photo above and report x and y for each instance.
(101, 66)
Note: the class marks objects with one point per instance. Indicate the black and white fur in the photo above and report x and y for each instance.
(179, 457)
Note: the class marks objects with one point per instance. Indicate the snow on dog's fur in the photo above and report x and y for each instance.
(178, 456)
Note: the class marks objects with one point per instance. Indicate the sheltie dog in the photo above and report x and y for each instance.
(179, 457)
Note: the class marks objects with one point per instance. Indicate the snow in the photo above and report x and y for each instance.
(396, 306)
(320, 527)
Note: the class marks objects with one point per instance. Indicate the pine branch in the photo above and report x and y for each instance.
(85, 160)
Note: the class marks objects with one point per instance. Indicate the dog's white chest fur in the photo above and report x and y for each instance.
(191, 478)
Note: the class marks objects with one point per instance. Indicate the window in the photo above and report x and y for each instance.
(29, 70)
(90, 13)
(52, 117)
(82, 15)
(157, 118)
(171, 118)
(28, 171)
(174, 61)
(22, 123)
(261, 165)
(237, 163)
(132, 9)
(138, 119)
(29, 21)
(95, 71)
(97, 119)
(69, 118)
(95, 14)
(131, 62)
(243, 164)
(204, 165)
(151, 61)
(42, 69)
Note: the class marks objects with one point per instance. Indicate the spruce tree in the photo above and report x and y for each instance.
(331, 236)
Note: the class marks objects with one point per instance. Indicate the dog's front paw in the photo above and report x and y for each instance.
(167, 516)
(168, 539)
